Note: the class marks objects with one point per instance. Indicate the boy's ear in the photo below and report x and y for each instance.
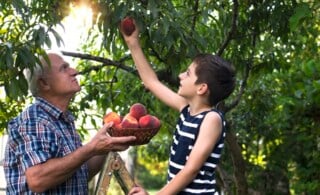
(203, 88)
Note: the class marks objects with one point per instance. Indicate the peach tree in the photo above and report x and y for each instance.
(273, 137)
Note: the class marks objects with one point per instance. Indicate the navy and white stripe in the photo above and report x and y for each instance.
(187, 130)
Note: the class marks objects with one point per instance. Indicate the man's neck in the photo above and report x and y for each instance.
(58, 101)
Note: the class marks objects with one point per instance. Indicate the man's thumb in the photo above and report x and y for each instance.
(105, 127)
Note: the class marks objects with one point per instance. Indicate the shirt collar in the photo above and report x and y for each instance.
(53, 110)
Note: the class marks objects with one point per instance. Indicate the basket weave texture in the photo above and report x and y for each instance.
(143, 135)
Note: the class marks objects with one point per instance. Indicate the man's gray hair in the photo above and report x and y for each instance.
(32, 76)
(38, 71)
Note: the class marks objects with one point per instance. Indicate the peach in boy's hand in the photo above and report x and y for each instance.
(127, 26)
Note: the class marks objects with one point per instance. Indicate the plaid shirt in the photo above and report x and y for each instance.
(38, 134)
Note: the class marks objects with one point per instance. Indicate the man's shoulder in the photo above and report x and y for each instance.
(32, 112)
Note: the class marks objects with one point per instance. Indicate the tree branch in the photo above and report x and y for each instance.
(231, 139)
(195, 10)
(232, 29)
(243, 85)
(162, 74)
(104, 61)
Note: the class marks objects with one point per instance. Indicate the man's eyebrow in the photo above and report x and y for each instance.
(63, 65)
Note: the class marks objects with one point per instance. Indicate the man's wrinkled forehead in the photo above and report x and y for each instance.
(53, 60)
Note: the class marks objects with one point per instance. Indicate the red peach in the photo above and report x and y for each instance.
(129, 122)
(118, 126)
(147, 121)
(138, 110)
(127, 26)
(112, 116)
(157, 122)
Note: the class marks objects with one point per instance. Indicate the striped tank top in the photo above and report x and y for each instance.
(184, 138)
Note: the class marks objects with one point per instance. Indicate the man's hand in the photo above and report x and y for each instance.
(102, 142)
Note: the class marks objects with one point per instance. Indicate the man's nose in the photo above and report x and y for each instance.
(74, 72)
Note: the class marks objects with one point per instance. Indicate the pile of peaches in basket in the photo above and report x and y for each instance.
(137, 117)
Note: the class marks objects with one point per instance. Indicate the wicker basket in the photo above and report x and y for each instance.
(143, 135)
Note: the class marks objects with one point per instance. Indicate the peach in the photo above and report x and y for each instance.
(127, 26)
(112, 116)
(146, 121)
(129, 122)
(137, 110)
(149, 121)
(118, 126)
(157, 122)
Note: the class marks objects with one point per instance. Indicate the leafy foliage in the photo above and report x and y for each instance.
(274, 45)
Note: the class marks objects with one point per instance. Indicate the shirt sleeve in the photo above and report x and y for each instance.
(35, 143)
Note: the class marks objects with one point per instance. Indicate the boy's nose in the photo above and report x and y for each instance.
(181, 75)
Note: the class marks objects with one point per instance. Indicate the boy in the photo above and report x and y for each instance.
(200, 130)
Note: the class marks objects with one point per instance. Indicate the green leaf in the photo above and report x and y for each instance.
(23, 85)
(8, 55)
(12, 88)
(57, 37)
(301, 11)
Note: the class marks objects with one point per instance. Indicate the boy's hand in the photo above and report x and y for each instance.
(129, 30)
(138, 191)
(127, 26)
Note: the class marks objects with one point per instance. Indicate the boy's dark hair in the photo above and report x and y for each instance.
(218, 74)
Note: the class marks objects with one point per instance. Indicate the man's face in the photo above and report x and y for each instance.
(61, 78)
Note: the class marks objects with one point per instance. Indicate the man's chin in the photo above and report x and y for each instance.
(74, 92)
(78, 89)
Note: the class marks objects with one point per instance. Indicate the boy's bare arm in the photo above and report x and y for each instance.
(148, 75)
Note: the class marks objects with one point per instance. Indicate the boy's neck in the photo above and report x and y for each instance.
(198, 108)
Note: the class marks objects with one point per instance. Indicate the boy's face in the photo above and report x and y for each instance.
(187, 87)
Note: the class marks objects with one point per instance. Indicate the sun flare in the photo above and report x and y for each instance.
(82, 15)
(75, 26)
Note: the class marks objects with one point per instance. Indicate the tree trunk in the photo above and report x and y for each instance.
(238, 164)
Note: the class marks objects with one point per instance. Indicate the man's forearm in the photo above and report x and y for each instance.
(55, 171)
(95, 164)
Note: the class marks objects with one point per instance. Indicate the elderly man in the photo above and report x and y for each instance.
(44, 153)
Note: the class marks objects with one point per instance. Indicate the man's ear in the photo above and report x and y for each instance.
(203, 88)
(43, 84)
